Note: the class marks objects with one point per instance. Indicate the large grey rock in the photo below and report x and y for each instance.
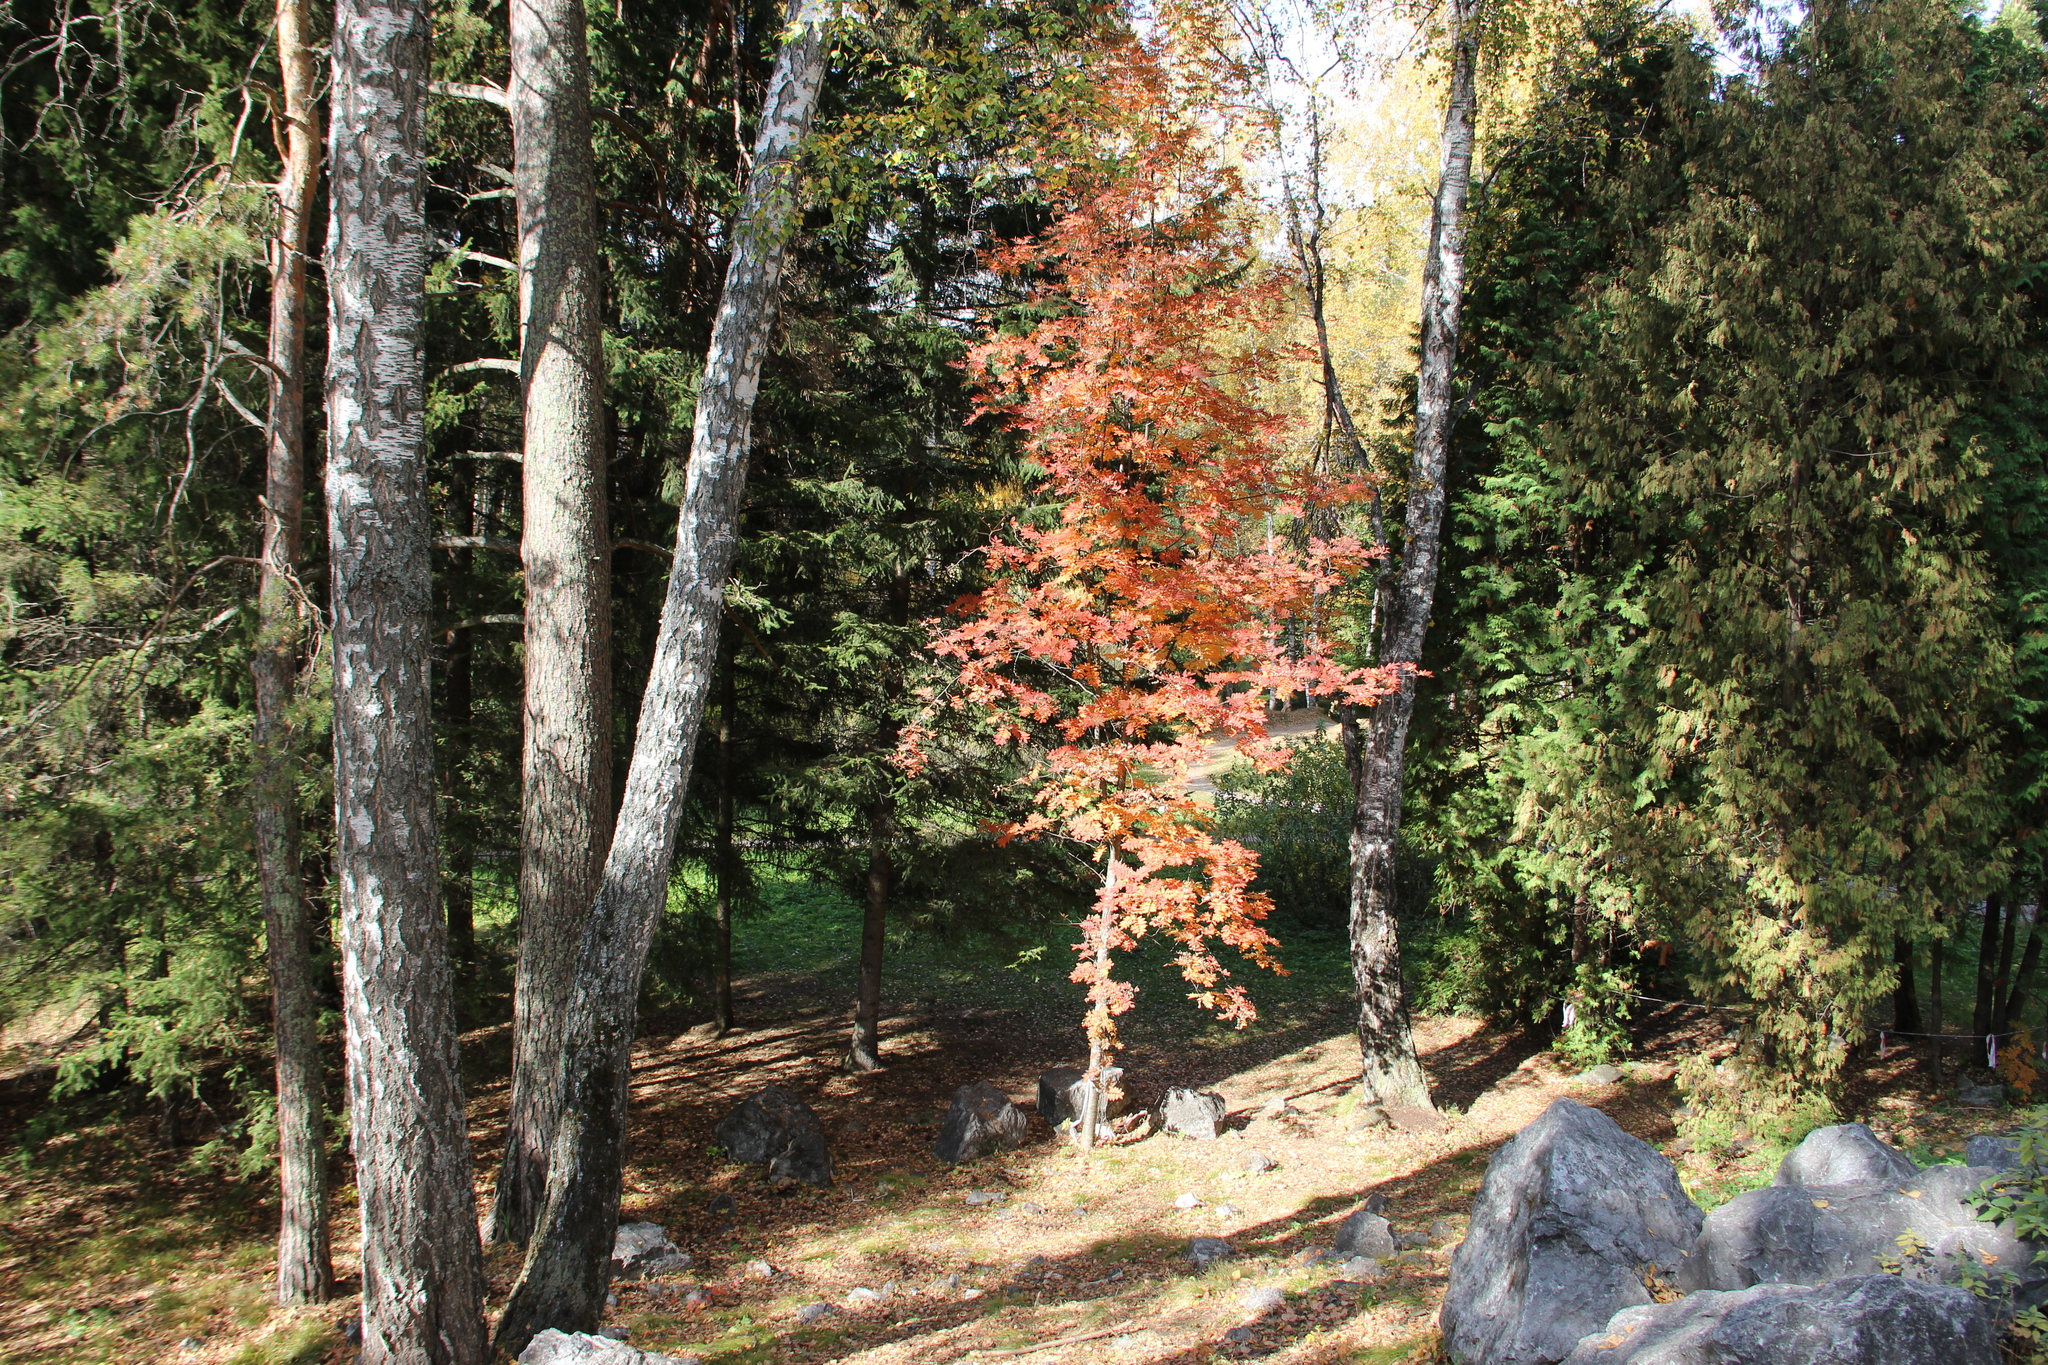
(1810, 1234)
(1192, 1113)
(1872, 1320)
(1364, 1234)
(1573, 1213)
(776, 1127)
(580, 1348)
(981, 1118)
(1843, 1154)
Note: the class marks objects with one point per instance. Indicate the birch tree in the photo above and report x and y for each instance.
(1392, 1073)
(562, 1283)
(422, 1264)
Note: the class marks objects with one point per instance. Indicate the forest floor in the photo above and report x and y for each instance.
(114, 1248)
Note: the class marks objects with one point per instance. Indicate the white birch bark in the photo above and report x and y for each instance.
(1392, 1072)
(422, 1263)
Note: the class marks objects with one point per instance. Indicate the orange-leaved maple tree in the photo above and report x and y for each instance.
(1153, 615)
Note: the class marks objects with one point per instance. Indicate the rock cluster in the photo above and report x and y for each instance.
(1572, 1212)
(1579, 1229)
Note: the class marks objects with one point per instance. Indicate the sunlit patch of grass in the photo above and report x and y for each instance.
(305, 1342)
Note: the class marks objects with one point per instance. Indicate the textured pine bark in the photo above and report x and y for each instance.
(568, 1261)
(865, 1052)
(422, 1263)
(565, 814)
(1392, 1072)
(305, 1272)
(725, 867)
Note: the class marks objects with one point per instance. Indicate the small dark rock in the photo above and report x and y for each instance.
(1980, 1096)
(1238, 1336)
(1365, 1234)
(1257, 1163)
(1192, 1113)
(982, 1117)
(2000, 1151)
(720, 1203)
(1376, 1203)
(1205, 1251)
(776, 1127)
(1603, 1074)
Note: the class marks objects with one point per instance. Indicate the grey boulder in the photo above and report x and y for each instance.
(1810, 1234)
(1364, 1234)
(1843, 1154)
(1572, 1215)
(580, 1348)
(775, 1127)
(1192, 1113)
(2001, 1152)
(1063, 1093)
(642, 1249)
(981, 1118)
(1871, 1320)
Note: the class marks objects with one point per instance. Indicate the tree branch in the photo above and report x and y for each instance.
(508, 366)
(466, 90)
(509, 547)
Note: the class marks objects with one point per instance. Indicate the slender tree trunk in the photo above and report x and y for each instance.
(866, 1051)
(565, 813)
(1987, 970)
(458, 705)
(1392, 1072)
(568, 1262)
(725, 870)
(2012, 1002)
(1096, 1106)
(305, 1271)
(1905, 995)
(422, 1265)
(1937, 966)
(865, 1054)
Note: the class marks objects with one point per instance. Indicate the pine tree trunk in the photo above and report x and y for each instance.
(422, 1265)
(1905, 995)
(1937, 965)
(305, 1271)
(568, 1262)
(1987, 971)
(725, 871)
(865, 1054)
(1392, 1073)
(565, 813)
(458, 705)
(2012, 1004)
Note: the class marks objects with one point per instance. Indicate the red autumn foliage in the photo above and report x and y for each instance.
(1151, 617)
